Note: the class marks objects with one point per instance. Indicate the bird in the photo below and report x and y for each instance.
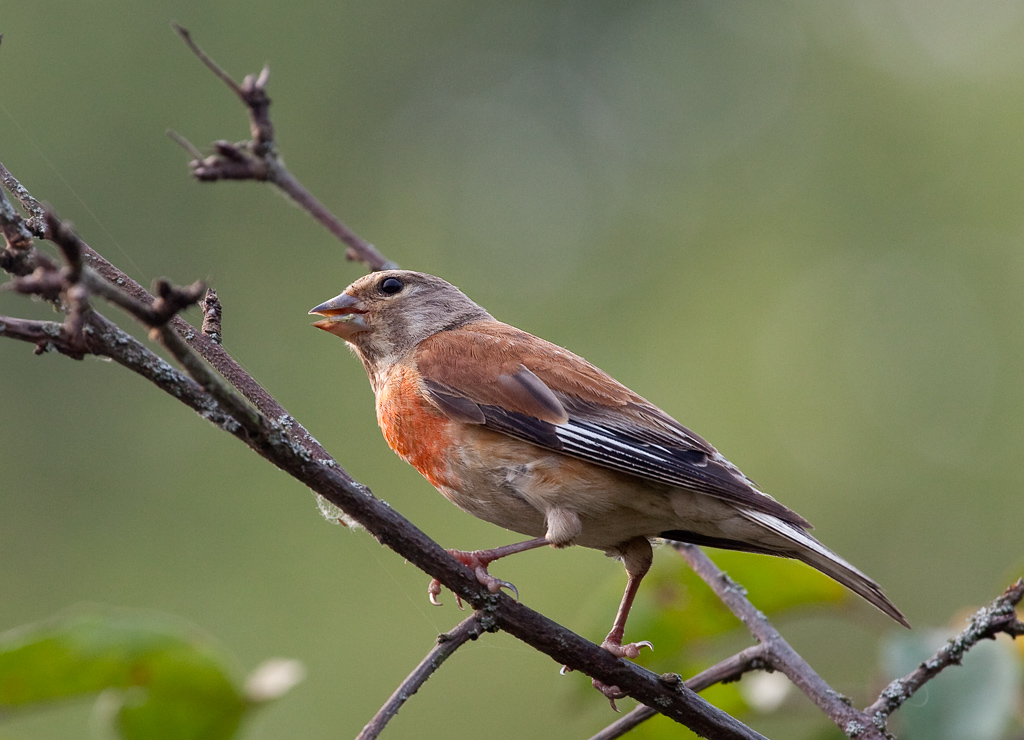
(529, 436)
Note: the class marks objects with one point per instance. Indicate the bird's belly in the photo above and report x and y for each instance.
(518, 485)
(498, 507)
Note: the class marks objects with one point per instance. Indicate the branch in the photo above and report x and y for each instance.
(447, 643)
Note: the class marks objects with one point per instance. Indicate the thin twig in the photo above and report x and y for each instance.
(44, 282)
(187, 145)
(447, 643)
(63, 235)
(358, 248)
(19, 257)
(78, 310)
(205, 59)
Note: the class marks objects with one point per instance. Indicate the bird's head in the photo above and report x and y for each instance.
(385, 314)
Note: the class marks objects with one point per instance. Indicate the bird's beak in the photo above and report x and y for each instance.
(344, 316)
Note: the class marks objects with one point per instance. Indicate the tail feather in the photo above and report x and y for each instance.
(809, 550)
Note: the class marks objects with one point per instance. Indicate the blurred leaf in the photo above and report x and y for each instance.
(974, 701)
(174, 682)
(676, 608)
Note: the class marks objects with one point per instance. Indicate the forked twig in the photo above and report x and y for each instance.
(257, 159)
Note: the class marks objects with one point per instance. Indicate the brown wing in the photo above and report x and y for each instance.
(508, 380)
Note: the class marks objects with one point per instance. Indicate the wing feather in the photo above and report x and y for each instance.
(515, 383)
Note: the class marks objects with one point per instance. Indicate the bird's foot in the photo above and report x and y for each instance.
(616, 648)
(477, 561)
(630, 650)
(611, 692)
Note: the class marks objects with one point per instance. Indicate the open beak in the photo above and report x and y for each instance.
(343, 316)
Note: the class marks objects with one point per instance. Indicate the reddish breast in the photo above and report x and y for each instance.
(414, 429)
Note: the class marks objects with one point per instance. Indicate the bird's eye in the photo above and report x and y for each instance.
(391, 285)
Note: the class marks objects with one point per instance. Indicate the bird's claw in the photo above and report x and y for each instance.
(478, 560)
(494, 585)
(611, 693)
(433, 591)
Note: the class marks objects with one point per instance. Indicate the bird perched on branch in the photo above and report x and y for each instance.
(529, 436)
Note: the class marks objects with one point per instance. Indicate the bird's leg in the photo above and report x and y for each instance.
(613, 642)
(637, 556)
(478, 560)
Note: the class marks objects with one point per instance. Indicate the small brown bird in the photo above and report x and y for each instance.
(524, 434)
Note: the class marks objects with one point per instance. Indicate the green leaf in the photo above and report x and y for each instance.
(175, 683)
(973, 701)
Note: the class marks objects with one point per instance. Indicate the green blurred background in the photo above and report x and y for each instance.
(795, 227)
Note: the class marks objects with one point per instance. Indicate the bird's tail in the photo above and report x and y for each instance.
(804, 547)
